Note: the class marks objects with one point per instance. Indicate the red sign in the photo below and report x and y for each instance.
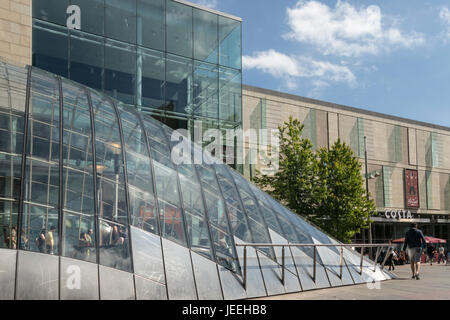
(412, 188)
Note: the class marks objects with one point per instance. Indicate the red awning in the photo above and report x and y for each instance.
(427, 238)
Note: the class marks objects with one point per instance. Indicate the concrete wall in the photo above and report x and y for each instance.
(15, 31)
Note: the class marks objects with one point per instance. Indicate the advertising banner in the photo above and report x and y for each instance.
(411, 188)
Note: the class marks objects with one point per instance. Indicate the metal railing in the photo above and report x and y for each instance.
(341, 255)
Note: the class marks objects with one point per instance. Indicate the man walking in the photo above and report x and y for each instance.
(415, 241)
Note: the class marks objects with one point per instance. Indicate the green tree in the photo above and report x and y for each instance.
(345, 207)
(325, 187)
(295, 184)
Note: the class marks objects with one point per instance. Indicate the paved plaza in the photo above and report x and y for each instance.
(434, 284)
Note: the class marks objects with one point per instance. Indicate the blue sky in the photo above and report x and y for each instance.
(386, 56)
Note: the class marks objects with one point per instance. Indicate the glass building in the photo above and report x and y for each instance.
(167, 58)
(92, 206)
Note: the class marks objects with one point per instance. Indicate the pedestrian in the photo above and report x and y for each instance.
(415, 241)
(430, 252)
(441, 254)
(391, 259)
(49, 240)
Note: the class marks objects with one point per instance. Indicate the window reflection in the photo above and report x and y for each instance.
(114, 245)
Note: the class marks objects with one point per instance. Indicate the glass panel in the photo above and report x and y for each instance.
(86, 59)
(179, 29)
(120, 70)
(40, 215)
(230, 107)
(153, 77)
(206, 94)
(50, 47)
(78, 179)
(205, 36)
(92, 15)
(229, 42)
(140, 181)
(51, 10)
(150, 19)
(114, 245)
(236, 215)
(120, 20)
(178, 84)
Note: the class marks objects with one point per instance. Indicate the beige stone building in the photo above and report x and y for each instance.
(393, 145)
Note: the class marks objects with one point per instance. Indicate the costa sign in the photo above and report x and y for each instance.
(397, 214)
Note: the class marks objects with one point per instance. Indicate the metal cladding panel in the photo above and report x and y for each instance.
(37, 276)
(179, 273)
(272, 275)
(255, 282)
(206, 278)
(232, 286)
(116, 284)
(305, 262)
(79, 280)
(353, 266)
(149, 290)
(305, 276)
(147, 255)
(291, 283)
(7, 273)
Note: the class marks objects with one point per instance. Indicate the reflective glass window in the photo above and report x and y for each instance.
(178, 84)
(150, 24)
(92, 15)
(236, 214)
(78, 235)
(40, 212)
(140, 181)
(205, 90)
(120, 20)
(86, 59)
(230, 107)
(50, 47)
(120, 70)
(51, 11)
(205, 36)
(151, 83)
(179, 29)
(229, 42)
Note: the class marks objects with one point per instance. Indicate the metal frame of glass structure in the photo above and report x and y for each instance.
(88, 186)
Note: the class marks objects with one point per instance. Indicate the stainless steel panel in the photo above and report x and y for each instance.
(288, 260)
(231, 285)
(206, 278)
(304, 265)
(79, 280)
(7, 273)
(116, 284)
(179, 273)
(272, 275)
(149, 290)
(291, 283)
(147, 255)
(255, 282)
(37, 276)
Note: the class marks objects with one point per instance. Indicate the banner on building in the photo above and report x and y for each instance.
(412, 188)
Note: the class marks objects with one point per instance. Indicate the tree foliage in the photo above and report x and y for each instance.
(325, 186)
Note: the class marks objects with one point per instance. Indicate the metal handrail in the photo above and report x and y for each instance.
(314, 245)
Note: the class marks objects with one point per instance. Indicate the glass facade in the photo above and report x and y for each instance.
(88, 178)
(164, 57)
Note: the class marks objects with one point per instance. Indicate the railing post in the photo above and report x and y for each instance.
(341, 260)
(361, 263)
(386, 256)
(314, 263)
(376, 259)
(282, 266)
(245, 268)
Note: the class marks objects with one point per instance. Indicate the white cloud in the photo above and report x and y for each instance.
(444, 14)
(291, 68)
(346, 30)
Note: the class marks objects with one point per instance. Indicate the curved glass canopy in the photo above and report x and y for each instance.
(85, 177)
